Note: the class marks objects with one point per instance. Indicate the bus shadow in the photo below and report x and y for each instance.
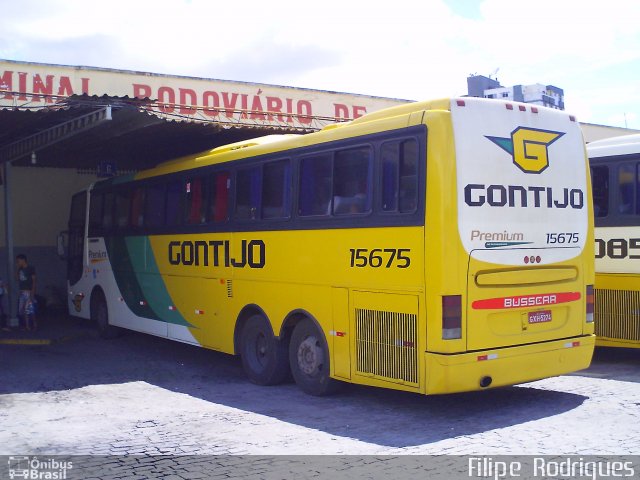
(377, 416)
(620, 364)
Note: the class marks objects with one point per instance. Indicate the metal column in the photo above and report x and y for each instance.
(10, 279)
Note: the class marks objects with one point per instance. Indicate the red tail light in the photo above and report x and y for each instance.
(589, 303)
(451, 317)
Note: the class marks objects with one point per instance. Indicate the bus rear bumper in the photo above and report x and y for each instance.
(506, 366)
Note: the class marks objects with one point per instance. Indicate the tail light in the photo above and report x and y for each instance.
(451, 317)
(589, 303)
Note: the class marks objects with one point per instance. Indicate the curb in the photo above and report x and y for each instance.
(41, 341)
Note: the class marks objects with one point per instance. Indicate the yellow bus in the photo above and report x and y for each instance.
(616, 198)
(433, 247)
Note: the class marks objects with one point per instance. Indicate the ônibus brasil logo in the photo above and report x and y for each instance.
(528, 147)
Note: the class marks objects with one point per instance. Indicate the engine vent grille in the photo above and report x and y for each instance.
(617, 314)
(387, 345)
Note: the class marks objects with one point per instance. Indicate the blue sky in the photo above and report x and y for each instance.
(403, 49)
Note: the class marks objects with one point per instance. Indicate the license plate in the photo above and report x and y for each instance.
(541, 316)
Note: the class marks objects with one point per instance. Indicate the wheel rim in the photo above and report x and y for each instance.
(261, 349)
(310, 355)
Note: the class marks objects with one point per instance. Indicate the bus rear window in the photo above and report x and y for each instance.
(400, 176)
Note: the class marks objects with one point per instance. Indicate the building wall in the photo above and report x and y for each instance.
(593, 132)
(40, 199)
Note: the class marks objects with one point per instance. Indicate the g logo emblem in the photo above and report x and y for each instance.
(528, 147)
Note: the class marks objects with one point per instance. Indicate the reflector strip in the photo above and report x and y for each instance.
(143, 303)
(199, 312)
(572, 344)
(333, 333)
(525, 301)
(172, 308)
(460, 103)
(491, 356)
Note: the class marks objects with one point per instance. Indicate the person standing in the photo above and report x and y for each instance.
(27, 297)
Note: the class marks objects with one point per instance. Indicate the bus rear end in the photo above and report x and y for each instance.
(519, 307)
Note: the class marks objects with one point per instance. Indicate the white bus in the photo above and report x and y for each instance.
(615, 171)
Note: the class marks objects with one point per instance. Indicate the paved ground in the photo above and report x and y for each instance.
(139, 394)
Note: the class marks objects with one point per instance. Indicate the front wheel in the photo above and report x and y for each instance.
(100, 315)
(264, 357)
(309, 359)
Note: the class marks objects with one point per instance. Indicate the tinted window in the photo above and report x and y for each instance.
(122, 208)
(276, 181)
(600, 181)
(174, 202)
(400, 176)
(195, 201)
(78, 209)
(137, 207)
(219, 209)
(626, 189)
(248, 194)
(316, 176)
(95, 213)
(154, 206)
(107, 212)
(352, 181)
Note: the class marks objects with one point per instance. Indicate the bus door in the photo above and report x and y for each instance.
(75, 255)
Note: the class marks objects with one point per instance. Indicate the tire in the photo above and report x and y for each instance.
(264, 357)
(309, 360)
(100, 316)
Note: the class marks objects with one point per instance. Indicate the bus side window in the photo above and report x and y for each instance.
(276, 185)
(626, 189)
(219, 184)
(352, 175)
(107, 212)
(400, 176)
(195, 201)
(174, 202)
(248, 194)
(95, 214)
(600, 181)
(122, 208)
(137, 207)
(315, 185)
(154, 205)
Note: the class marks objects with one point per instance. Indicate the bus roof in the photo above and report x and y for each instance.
(608, 147)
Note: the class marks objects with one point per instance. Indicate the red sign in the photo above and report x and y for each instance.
(525, 301)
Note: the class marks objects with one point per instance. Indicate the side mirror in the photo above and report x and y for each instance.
(62, 243)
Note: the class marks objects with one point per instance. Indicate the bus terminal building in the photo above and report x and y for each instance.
(65, 127)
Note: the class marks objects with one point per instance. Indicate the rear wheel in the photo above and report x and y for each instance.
(264, 357)
(309, 359)
(100, 315)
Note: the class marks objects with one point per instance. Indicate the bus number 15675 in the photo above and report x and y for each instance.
(380, 257)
